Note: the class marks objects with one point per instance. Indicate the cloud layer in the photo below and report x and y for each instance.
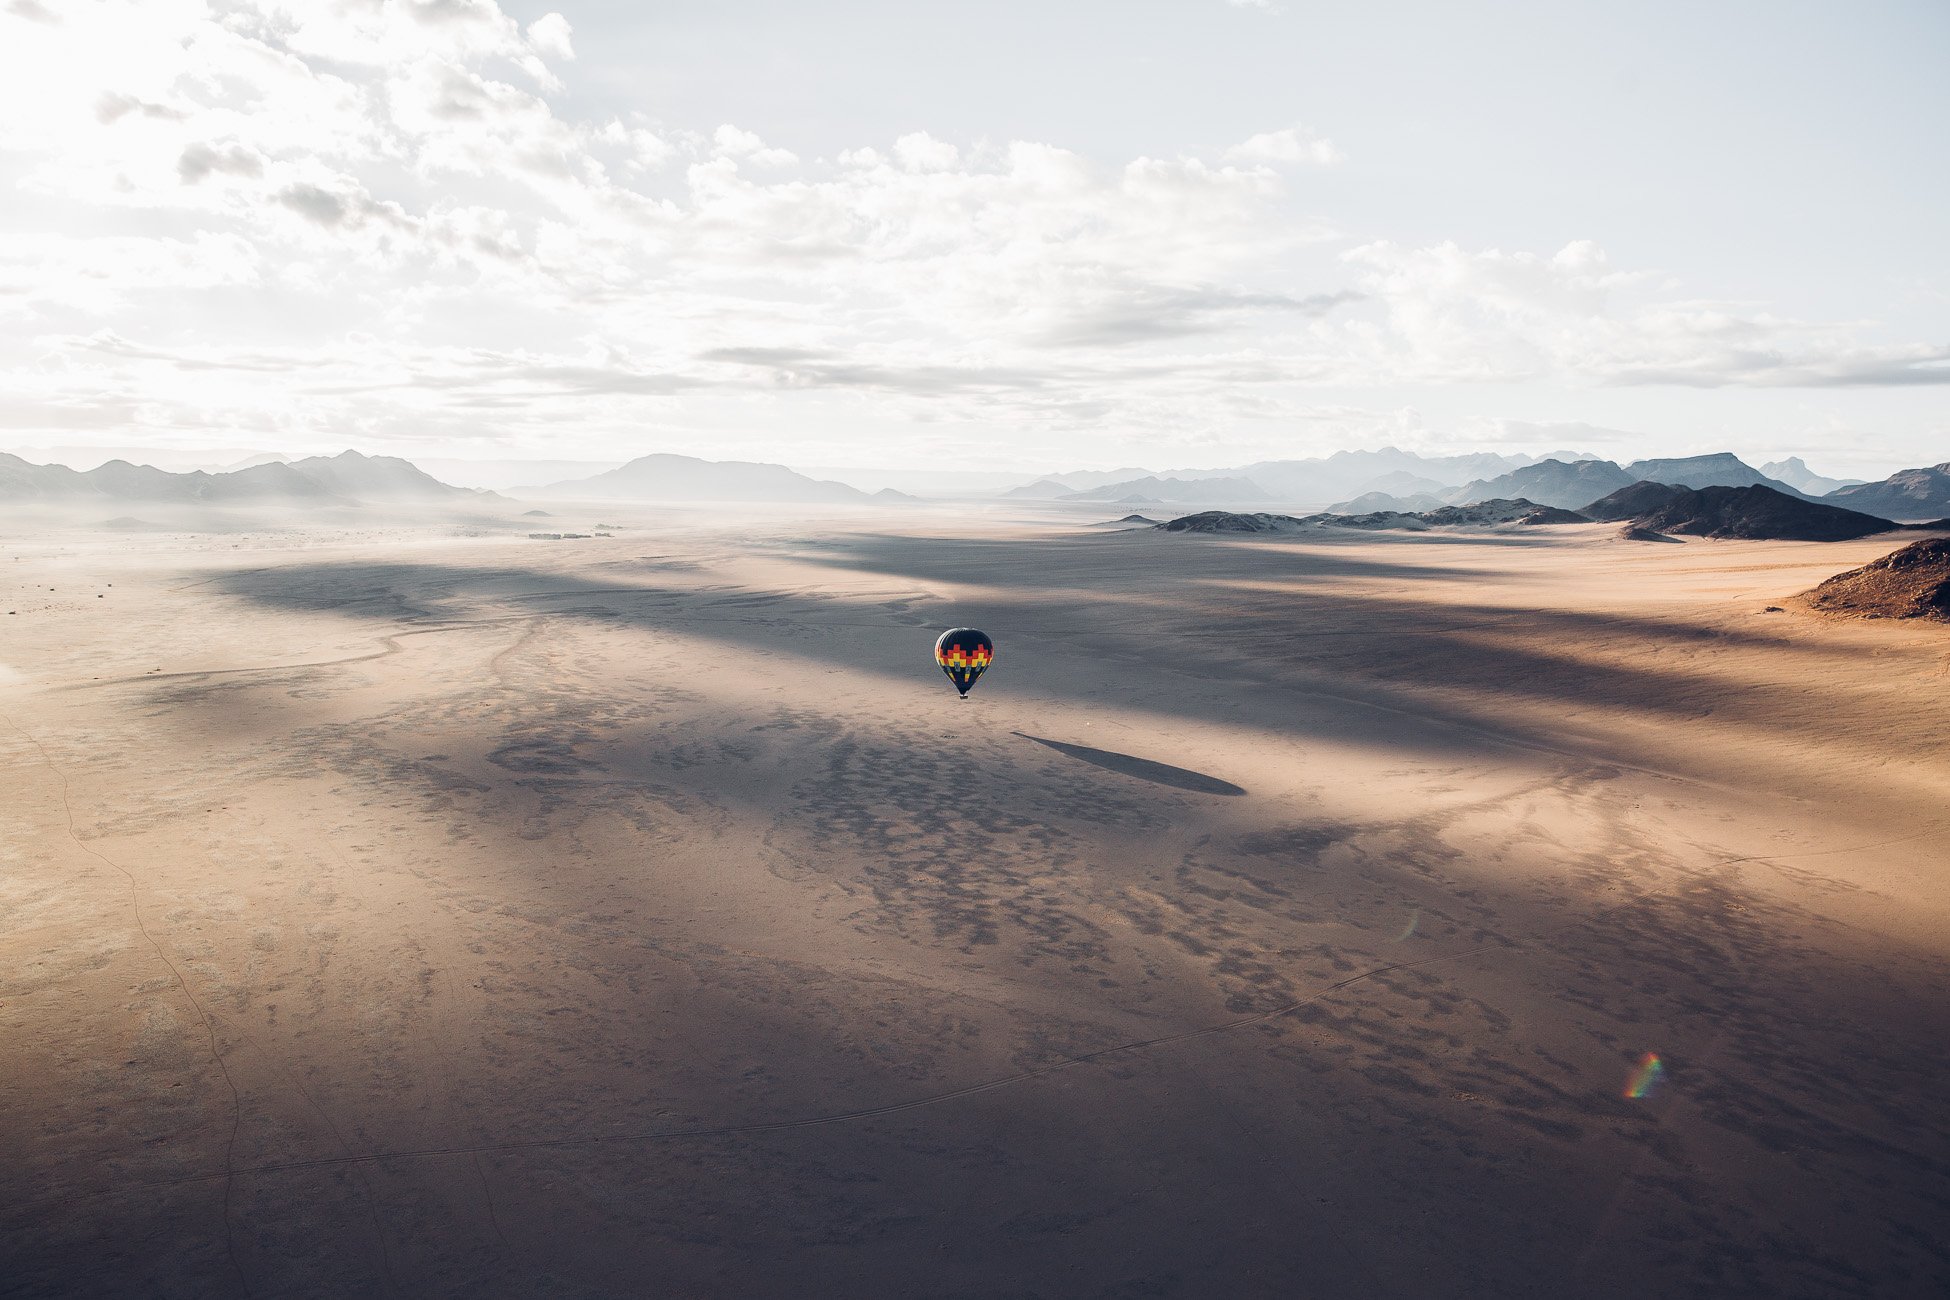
(364, 220)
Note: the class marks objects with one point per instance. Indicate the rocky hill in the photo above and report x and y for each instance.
(1502, 511)
(1745, 512)
(1226, 521)
(1911, 583)
(1483, 514)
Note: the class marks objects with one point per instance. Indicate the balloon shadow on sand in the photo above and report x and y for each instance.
(1178, 778)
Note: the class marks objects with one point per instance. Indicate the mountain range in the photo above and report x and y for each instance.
(1569, 485)
(1649, 510)
(1393, 480)
(1314, 479)
(344, 479)
(1388, 480)
(1912, 495)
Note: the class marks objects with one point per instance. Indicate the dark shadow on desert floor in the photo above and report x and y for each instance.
(1144, 769)
(1381, 647)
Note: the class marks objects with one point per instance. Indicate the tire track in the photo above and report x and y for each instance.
(390, 642)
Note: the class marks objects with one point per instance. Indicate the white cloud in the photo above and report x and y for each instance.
(921, 152)
(1293, 145)
(1561, 435)
(644, 150)
(1452, 315)
(549, 34)
(201, 158)
(53, 274)
(730, 142)
(382, 33)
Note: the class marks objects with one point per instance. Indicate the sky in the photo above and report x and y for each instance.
(1170, 233)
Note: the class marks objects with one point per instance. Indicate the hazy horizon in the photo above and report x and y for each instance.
(515, 476)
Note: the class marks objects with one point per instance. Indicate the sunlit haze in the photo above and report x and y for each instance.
(1006, 236)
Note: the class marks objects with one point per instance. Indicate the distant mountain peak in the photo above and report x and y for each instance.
(1795, 473)
(1043, 489)
(669, 476)
(1911, 495)
(1154, 489)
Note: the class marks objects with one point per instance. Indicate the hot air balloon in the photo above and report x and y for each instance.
(963, 653)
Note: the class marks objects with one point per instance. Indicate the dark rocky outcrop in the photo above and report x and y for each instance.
(1226, 521)
(1485, 513)
(1502, 511)
(1633, 533)
(1911, 583)
(1754, 512)
(1481, 514)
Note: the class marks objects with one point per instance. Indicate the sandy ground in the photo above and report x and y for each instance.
(384, 910)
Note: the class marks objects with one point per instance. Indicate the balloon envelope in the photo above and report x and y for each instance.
(963, 654)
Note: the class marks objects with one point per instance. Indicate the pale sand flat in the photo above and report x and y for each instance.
(389, 910)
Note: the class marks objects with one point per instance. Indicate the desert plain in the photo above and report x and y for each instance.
(424, 909)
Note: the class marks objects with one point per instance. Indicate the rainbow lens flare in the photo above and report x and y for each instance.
(1645, 1076)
